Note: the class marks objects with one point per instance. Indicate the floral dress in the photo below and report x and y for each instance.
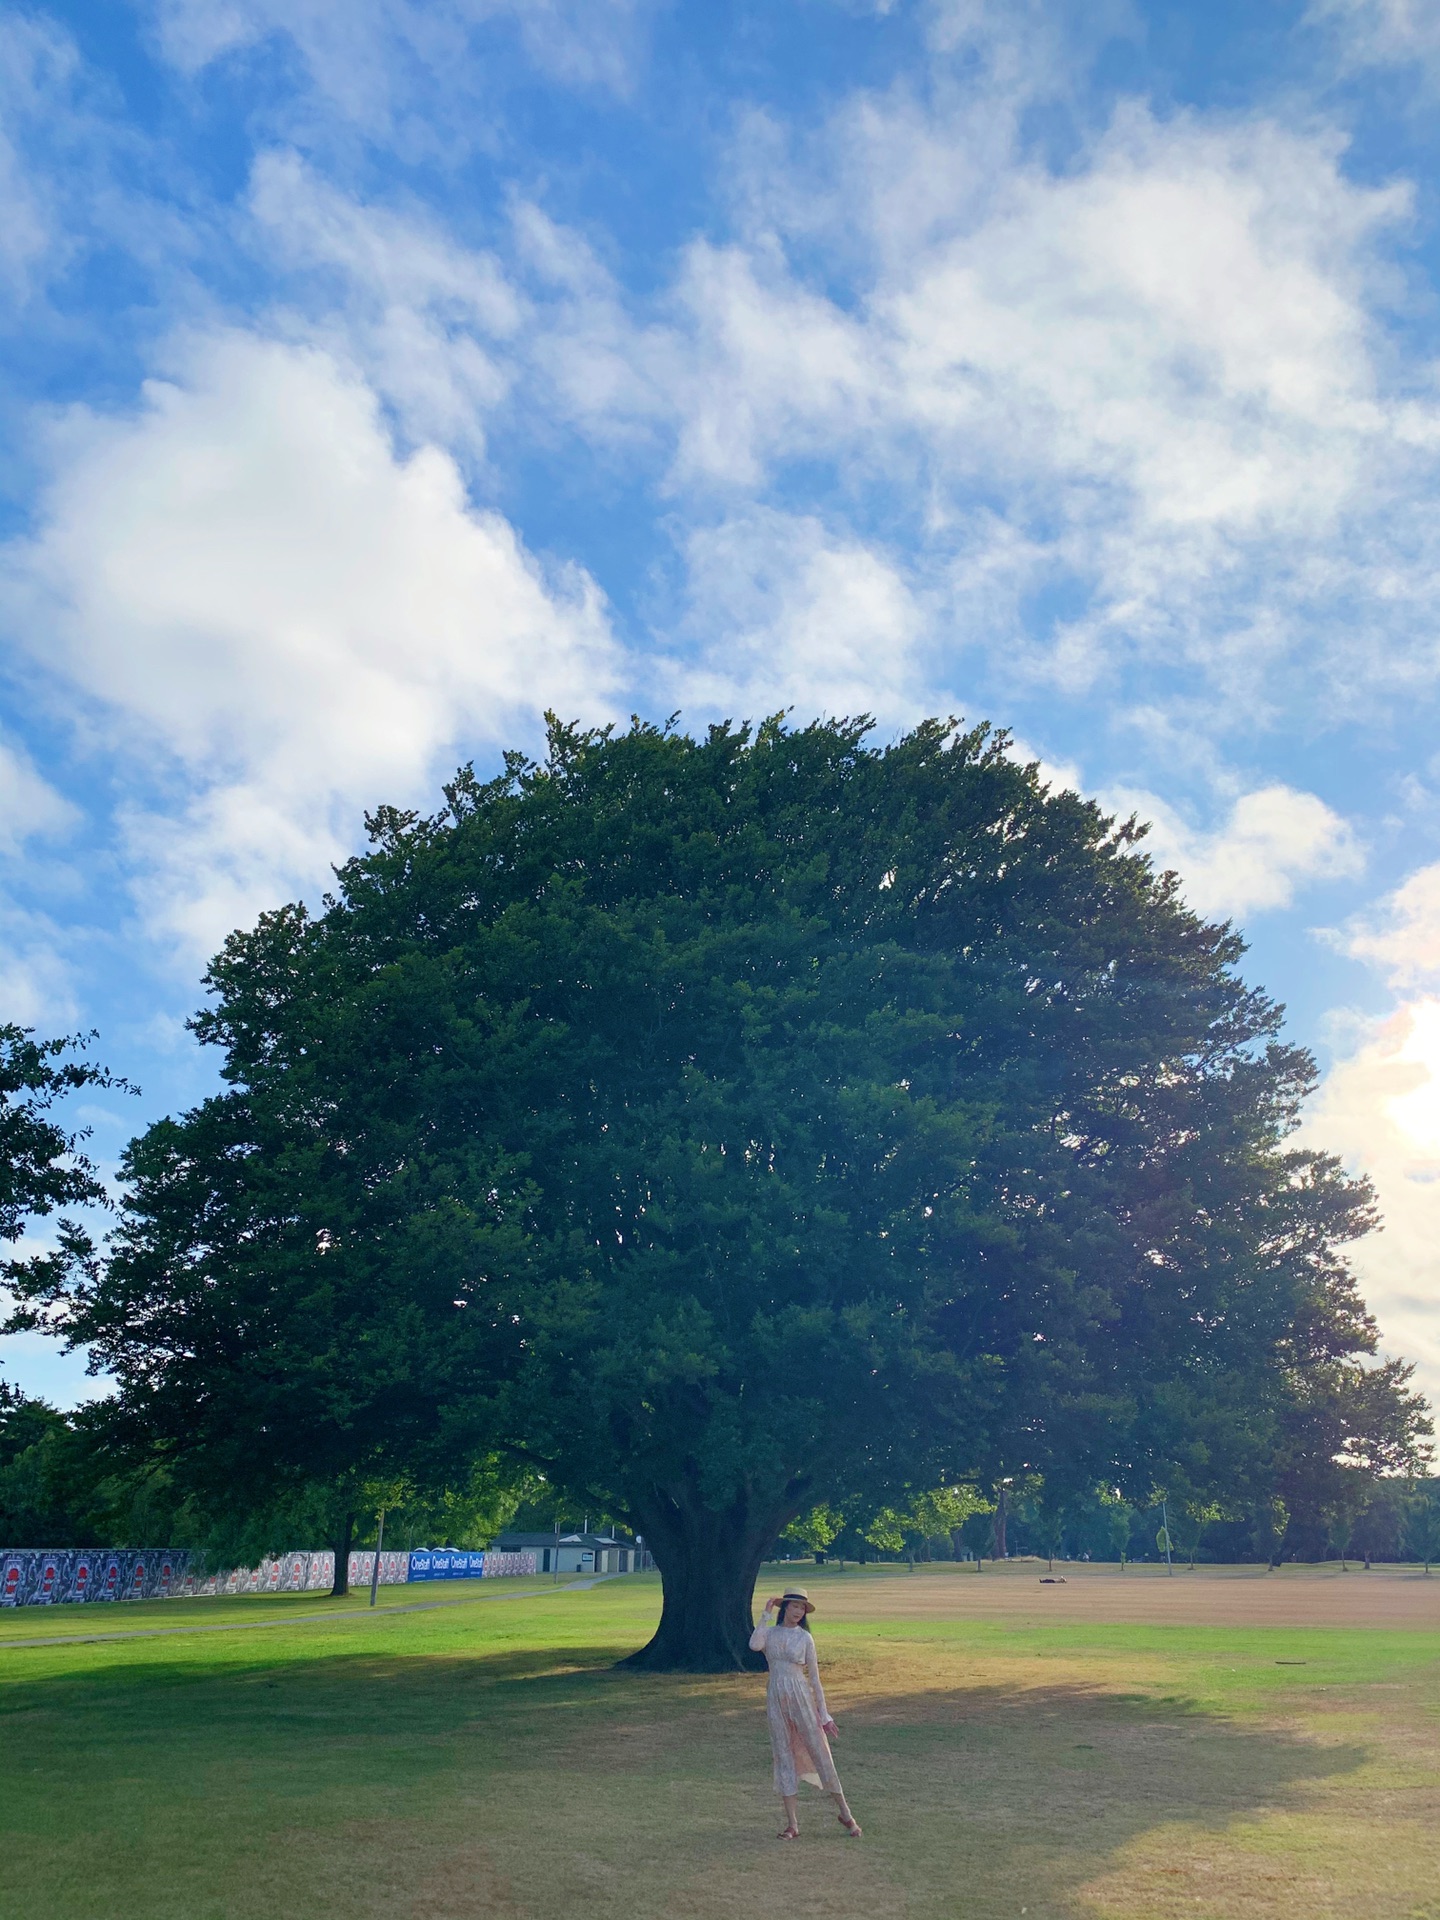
(795, 1706)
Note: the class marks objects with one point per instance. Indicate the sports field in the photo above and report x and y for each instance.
(1227, 1742)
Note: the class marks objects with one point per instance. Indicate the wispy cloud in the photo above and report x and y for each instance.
(30, 808)
(1402, 934)
(393, 290)
(1158, 369)
(785, 615)
(1382, 33)
(404, 68)
(38, 984)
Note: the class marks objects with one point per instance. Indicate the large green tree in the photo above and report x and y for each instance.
(725, 1126)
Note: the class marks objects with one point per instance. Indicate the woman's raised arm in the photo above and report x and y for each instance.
(757, 1638)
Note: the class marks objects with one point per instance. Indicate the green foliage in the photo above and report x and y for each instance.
(1420, 1538)
(1188, 1521)
(33, 1511)
(468, 1514)
(816, 1529)
(61, 1486)
(42, 1166)
(946, 1509)
(1381, 1521)
(885, 1529)
(729, 1127)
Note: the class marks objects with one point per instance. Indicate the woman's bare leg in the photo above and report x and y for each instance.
(792, 1825)
(847, 1818)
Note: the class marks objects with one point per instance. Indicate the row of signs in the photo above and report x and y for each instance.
(37, 1578)
(289, 1573)
(394, 1569)
(42, 1576)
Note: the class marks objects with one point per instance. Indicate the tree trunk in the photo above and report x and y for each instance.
(708, 1565)
(342, 1558)
(1000, 1506)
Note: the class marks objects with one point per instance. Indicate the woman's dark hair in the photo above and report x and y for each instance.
(785, 1600)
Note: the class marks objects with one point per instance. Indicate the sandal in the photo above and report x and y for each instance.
(852, 1827)
(788, 1833)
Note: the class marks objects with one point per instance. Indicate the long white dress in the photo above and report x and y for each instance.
(795, 1707)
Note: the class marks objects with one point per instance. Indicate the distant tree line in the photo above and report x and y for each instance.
(1381, 1518)
(63, 1483)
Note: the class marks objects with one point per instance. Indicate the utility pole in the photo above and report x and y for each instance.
(1165, 1530)
(375, 1570)
(555, 1563)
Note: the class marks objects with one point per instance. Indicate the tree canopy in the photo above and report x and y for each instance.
(727, 1126)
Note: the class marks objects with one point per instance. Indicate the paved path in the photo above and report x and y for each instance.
(308, 1619)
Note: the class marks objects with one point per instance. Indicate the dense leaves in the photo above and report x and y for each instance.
(42, 1166)
(728, 1126)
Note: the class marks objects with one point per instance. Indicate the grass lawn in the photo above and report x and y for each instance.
(1122, 1747)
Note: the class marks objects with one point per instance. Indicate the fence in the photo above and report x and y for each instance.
(394, 1568)
(44, 1576)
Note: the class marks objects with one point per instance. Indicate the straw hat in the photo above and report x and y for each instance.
(796, 1593)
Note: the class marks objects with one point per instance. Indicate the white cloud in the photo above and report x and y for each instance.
(1274, 841)
(1155, 379)
(1402, 936)
(1379, 1108)
(786, 615)
(1182, 316)
(1151, 392)
(29, 806)
(37, 985)
(277, 622)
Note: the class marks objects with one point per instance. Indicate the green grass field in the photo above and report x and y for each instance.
(1218, 1744)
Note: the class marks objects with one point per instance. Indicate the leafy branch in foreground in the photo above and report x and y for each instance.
(42, 1164)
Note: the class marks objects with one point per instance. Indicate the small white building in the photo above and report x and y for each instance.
(577, 1552)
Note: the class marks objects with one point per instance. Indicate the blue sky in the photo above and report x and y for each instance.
(380, 375)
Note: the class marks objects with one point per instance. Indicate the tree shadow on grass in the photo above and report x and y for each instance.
(540, 1782)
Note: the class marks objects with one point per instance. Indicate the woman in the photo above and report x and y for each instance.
(795, 1705)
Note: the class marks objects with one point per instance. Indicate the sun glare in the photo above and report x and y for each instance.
(1417, 1113)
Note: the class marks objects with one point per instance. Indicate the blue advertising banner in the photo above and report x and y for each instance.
(446, 1563)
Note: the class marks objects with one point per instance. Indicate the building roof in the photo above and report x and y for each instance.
(519, 1542)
